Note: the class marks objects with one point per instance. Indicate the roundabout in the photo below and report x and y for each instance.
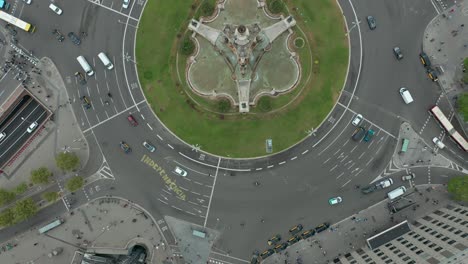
(281, 103)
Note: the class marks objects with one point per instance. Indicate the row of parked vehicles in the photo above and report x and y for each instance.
(360, 131)
(296, 236)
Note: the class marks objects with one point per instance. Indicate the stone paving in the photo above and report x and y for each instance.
(446, 43)
(351, 233)
(106, 225)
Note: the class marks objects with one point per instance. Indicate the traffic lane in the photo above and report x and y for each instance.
(8, 84)
(23, 108)
(19, 136)
(381, 71)
(148, 172)
(282, 201)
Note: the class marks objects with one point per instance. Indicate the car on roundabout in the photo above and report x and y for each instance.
(371, 22)
(398, 53)
(149, 146)
(335, 200)
(178, 170)
(369, 189)
(125, 147)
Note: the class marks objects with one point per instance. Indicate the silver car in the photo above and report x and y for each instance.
(149, 146)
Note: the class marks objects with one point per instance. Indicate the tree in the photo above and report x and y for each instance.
(24, 209)
(40, 176)
(187, 47)
(50, 196)
(207, 8)
(462, 103)
(75, 183)
(7, 217)
(276, 6)
(458, 187)
(67, 161)
(21, 188)
(6, 196)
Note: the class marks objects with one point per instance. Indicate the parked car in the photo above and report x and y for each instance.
(81, 78)
(322, 227)
(56, 9)
(408, 177)
(267, 253)
(58, 35)
(371, 22)
(86, 102)
(293, 240)
(295, 229)
(275, 239)
(280, 247)
(28, 2)
(357, 120)
(335, 200)
(74, 38)
(432, 74)
(369, 134)
(178, 170)
(308, 233)
(424, 59)
(149, 146)
(398, 53)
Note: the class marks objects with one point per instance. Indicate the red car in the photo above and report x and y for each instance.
(132, 120)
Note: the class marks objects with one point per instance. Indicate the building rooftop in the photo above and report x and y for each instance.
(388, 235)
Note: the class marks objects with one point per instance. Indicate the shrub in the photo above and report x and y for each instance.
(224, 105)
(276, 6)
(75, 183)
(21, 188)
(207, 8)
(67, 161)
(187, 46)
(40, 176)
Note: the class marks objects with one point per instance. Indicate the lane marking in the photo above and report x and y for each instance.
(212, 191)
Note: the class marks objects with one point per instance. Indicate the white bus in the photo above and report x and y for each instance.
(16, 21)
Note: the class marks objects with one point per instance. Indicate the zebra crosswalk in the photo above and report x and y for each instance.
(106, 172)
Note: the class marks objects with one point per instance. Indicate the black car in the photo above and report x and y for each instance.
(371, 22)
(398, 53)
(322, 227)
(74, 38)
(265, 254)
(274, 240)
(58, 35)
(296, 229)
(368, 189)
(308, 233)
(293, 240)
(254, 259)
(358, 133)
(280, 247)
(424, 59)
(11, 29)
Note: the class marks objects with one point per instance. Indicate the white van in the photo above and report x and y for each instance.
(405, 94)
(105, 60)
(396, 193)
(85, 65)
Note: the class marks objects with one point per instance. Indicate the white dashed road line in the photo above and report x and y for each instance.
(159, 137)
(281, 163)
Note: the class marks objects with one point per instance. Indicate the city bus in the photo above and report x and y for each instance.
(50, 226)
(16, 21)
(459, 139)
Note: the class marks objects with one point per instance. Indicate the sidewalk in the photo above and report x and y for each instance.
(418, 154)
(351, 233)
(59, 134)
(446, 43)
(105, 225)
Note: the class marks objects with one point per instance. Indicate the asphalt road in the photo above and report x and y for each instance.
(220, 193)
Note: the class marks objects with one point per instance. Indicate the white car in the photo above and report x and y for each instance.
(126, 3)
(408, 177)
(2, 136)
(384, 184)
(180, 171)
(335, 200)
(28, 2)
(32, 127)
(438, 143)
(148, 146)
(56, 9)
(357, 120)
